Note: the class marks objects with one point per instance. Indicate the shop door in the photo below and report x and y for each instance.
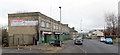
(47, 38)
(57, 37)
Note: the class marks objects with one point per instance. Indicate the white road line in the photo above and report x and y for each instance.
(81, 49)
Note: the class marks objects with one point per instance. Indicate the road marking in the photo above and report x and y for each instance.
(81, 49)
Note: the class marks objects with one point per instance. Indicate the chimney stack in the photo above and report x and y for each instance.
(73, 28)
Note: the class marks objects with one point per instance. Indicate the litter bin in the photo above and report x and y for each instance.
(35, 42)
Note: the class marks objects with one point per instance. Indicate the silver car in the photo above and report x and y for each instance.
(78, 41)
(102, 39)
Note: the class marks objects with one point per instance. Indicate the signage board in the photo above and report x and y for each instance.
(31, 23)
(58, 33)
(47, 33)
(22, 22)
(17, 22)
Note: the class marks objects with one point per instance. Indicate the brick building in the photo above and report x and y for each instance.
(33, 27)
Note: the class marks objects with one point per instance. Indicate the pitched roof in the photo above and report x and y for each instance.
(72, 30)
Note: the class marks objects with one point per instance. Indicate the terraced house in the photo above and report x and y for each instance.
(32, 27)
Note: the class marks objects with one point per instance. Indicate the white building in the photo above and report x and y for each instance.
(96, 34)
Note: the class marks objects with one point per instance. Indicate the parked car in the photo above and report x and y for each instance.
(78, 41)
(108, 41)
(102, 39)
(89, 37)
(73, 39)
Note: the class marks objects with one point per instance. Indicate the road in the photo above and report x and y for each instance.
(71, 48)
(95, 46)
(90, 46)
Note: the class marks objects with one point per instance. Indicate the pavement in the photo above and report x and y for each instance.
(27, 49)
(42, 48)
(6, 50)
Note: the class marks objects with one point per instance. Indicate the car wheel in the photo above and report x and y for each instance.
(111, 43)
(81, 44)
(106, 42)
(75, 43)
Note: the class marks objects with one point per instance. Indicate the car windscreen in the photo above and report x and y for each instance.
(102, 38)
(78, 39)
(108, 39)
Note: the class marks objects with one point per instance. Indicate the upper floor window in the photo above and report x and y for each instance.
(48, 25)
(57, 27)
(54, 27)
(42, 23)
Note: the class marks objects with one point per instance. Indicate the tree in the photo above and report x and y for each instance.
(112, 23)
(4, 36)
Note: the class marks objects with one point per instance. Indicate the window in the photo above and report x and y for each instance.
(42, 23)
(57, 27)
(47, 25)
(54, 27)
(74, 33)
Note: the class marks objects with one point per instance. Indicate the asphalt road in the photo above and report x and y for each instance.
(71, 48)
(95, 46)
(90, 46)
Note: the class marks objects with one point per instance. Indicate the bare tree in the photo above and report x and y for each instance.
(112, 23)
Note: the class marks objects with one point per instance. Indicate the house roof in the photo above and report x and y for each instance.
(72, 30)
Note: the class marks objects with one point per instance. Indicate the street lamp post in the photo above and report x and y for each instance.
(60, 26)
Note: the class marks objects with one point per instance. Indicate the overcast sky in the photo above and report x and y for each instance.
(88, 14)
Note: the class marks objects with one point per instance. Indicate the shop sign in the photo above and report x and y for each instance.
(47, 33)
(58, 33)
(31, 23)
(22, 22)
(17, 22)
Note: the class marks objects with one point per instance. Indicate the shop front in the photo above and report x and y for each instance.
(66, 36)
(57, 35)
(46, 36)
